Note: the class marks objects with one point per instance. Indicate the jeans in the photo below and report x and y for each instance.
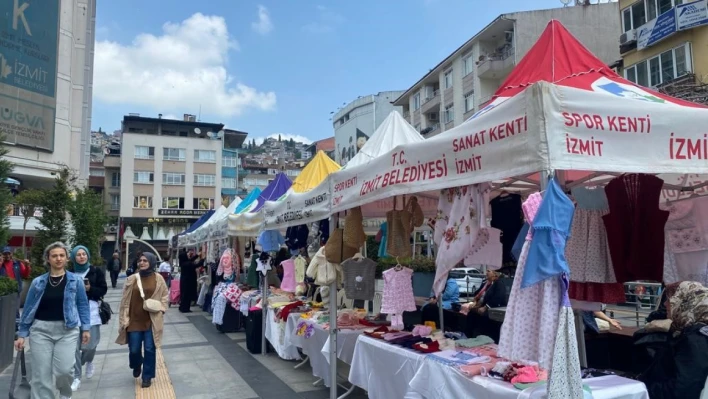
(137, 342)
(86, 353)
(114, 277)
(52, 349)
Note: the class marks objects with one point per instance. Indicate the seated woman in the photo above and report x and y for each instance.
(450, 295)
(492, 294)
(681, 372)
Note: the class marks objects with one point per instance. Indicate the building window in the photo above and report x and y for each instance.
(654, 8)
(662, 68)
(173, 179)
(468, 64)
(203, 203)
(416, 101)
(228, 183)
(143, 152)
(634, 16)
(232, 162)
(207, 156)
(449, 114)
(115, 202)
(448, 79)
(174, 154)
(143, 177)
(142, 202)
(469, 101)
(115, 179)
(205, 180)
(173, 202)
(97, 172)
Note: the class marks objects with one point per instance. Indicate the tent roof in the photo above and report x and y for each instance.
(319, 167)
(276, 189)
(559, 58)
(232, 206)
(393, 131)
(199, 222)
(250, 198)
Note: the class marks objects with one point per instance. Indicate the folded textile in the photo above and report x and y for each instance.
(393, 335)
(474, 342)
(529, 374)
(427, 347)
(452, 357)
(422, 331)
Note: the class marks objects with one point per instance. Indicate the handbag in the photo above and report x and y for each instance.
(149, 304)
(23, 390)
(104, 312)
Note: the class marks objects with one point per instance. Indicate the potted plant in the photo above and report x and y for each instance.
(8, 310)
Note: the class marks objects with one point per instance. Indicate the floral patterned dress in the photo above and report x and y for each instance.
(398, 295)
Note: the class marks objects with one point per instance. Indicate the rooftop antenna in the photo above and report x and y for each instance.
(199, 116)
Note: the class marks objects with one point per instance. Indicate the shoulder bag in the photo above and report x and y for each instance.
(104, 311)
(23, 390)
(149, 304)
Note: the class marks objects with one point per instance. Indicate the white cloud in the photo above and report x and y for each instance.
(283, 136)
(264, 25)
(327, 21)
(178, 71)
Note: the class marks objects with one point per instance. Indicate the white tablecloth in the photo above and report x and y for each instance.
(281, 340)
(317, 347)
(388, 371)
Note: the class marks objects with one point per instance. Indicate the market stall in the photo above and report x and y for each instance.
(560, 111)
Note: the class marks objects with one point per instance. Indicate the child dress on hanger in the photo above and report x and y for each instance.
(398, 294)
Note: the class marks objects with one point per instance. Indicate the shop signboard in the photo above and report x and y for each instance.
(691, 15)
(29, 35)
(181, 212)
(657, 29)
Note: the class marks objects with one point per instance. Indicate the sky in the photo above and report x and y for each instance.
(272, 67)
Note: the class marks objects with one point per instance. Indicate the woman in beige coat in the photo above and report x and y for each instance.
(140, 329)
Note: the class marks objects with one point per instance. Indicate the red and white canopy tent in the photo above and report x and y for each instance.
(561, 109)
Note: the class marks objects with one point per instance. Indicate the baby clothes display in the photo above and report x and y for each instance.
(398, 294)
(359, 278)
(587, 252)
(507, 217)
(686, 253)
(264, 264)
(252, 277)
(228, 265)
(551, 228)
(635, 227)
(296, 237)
(270, 240)
(531, 319)
(300, 267)
(288, 282)
(565, 381)
(461, 215)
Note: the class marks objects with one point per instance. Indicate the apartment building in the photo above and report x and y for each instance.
(464, 81)
(45, 99)
(356, 122)
(170, 172)
(231, 166)
(664, 42)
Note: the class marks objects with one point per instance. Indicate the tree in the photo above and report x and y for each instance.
(298, 154)
(88, 218)
(5, 194)
(54, 204)
(291, 143)
(279, 138)
(28, 201)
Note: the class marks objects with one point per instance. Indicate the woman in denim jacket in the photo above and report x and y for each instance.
(55, 310)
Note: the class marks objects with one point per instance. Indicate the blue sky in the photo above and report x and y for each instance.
(272, 67)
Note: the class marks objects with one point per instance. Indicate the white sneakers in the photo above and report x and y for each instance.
(75, 385)
(90, 369)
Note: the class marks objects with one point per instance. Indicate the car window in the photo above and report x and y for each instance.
(457, 274)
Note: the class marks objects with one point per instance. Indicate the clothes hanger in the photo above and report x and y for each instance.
(357, 256)
(398, 266)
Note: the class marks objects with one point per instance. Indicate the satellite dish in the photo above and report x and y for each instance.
(197, 130)
(106, 150)
(211, 134)
(565, 2)
(220, 134)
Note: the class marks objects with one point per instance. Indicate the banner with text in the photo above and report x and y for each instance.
(635, 132)
(29, 38)
(248, 224)
(691, 15)
(501, 143)
(298, 208)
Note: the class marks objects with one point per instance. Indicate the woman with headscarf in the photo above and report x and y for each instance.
(138, 327)
(188, 265)
(55, 311)
(681, 372)
(94, 281)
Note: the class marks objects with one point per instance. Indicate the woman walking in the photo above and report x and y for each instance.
(94, 281)
(141, 313)
(55, 310)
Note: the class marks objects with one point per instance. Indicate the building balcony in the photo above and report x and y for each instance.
(17, 220)
(496, 65)
(431, 102)
(407, 115)
(431, 130)
(111, 161)
(229, 162)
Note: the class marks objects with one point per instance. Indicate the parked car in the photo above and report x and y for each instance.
(468, 279)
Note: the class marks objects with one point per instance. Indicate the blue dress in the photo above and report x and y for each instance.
(551, 227)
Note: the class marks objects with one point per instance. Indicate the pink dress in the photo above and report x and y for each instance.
(288, 284)
(398, 295)
(531, 319)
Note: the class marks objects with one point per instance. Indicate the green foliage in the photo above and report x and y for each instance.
(372, 248)
(7, 286)
(37, 270)
(28, 201)
(88, 218)
(298, 154)
(5, 194)
(54, 203)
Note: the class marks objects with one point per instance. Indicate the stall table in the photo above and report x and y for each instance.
(281, 339)
(388, 371)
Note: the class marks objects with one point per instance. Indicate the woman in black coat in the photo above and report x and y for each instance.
(188, 265)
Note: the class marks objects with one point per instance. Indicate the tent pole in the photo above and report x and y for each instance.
(333, 327)
(264, 305)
